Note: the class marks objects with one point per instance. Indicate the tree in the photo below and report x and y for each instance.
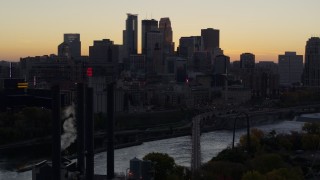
(267, 162)
(163, 163)
(221, 170)
(310, 141)
(311, 128)
(285, 173)
(253, 175)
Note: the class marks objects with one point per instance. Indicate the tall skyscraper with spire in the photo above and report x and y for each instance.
(311, 74)
(130, 35)
(147, 26)
(166, 29)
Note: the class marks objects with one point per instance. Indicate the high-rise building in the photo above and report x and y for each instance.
(210, 39)
(71, 46)
(270, 65)
(104, 58)
(166, 29)
(189, 45)
(247, 61)
(154, 51)
(221, 64)
(130, 35)
(147, 26)
(311, 74)
(101, 51)
(290, 68)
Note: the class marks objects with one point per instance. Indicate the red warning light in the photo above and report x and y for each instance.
(89, 72)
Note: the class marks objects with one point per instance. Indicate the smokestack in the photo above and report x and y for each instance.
(89, 137)
(80, 128)
(56, 132)
(110, 131)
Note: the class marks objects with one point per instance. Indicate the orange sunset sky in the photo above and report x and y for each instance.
(265, 28)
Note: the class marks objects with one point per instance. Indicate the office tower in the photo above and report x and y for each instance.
(247, 61)
(166, 29)
(154, 51)
(189, 45)
(268, 65)
(210, 39)
(147, 26)
(104, 58)
(236, 64)
(71, 46)
(290, 68)
(130, 35)
(201, 62)
(312, 63)
(221, 64)
(138, 64)
(101, 51)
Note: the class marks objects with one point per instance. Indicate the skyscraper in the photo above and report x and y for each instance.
(221, 64)
(211, 39)
(71, 46)
(154, 51)
(247, 61)
(147, 26)
(130, 35)
(290, 68)
(166, 29)
(104, 58)
(311, 74)
(189, 45)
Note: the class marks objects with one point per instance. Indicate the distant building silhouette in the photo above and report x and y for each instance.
(71, 46)
(311, 74)
(154, 51)
(247, 61)
(270, 65)
(104, 58)
(221, 64)
(130, 35)
(147, 26)
(166, 29)
(189, 45)
(210, 39)
(290, 68)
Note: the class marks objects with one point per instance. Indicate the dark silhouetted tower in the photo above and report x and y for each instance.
(71, 46)
(147, 26)
(311, 74)
(210, 39)
(130, 36)
(166, 29)
(247, 61)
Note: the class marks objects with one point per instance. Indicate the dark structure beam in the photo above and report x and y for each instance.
(110, 131)
(56, 133)
(80, 115)
(89, 138)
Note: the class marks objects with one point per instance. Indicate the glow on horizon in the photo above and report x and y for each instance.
(265, 28)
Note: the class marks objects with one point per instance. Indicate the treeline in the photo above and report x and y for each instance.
(270, 156)
(290, 156)
(28, 123)
(299, 97)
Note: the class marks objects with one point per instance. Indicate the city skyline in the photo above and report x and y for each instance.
(266, 29)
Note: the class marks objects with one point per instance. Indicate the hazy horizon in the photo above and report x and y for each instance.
(266, 29)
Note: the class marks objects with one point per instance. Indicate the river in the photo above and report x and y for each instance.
(179, 148)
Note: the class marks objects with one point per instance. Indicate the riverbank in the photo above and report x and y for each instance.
(179, 148)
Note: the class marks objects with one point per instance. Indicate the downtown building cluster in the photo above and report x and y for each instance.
(197, 72)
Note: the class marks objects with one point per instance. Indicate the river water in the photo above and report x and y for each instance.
(178, 148)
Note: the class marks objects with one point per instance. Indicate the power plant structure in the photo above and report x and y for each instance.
(83, 168)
